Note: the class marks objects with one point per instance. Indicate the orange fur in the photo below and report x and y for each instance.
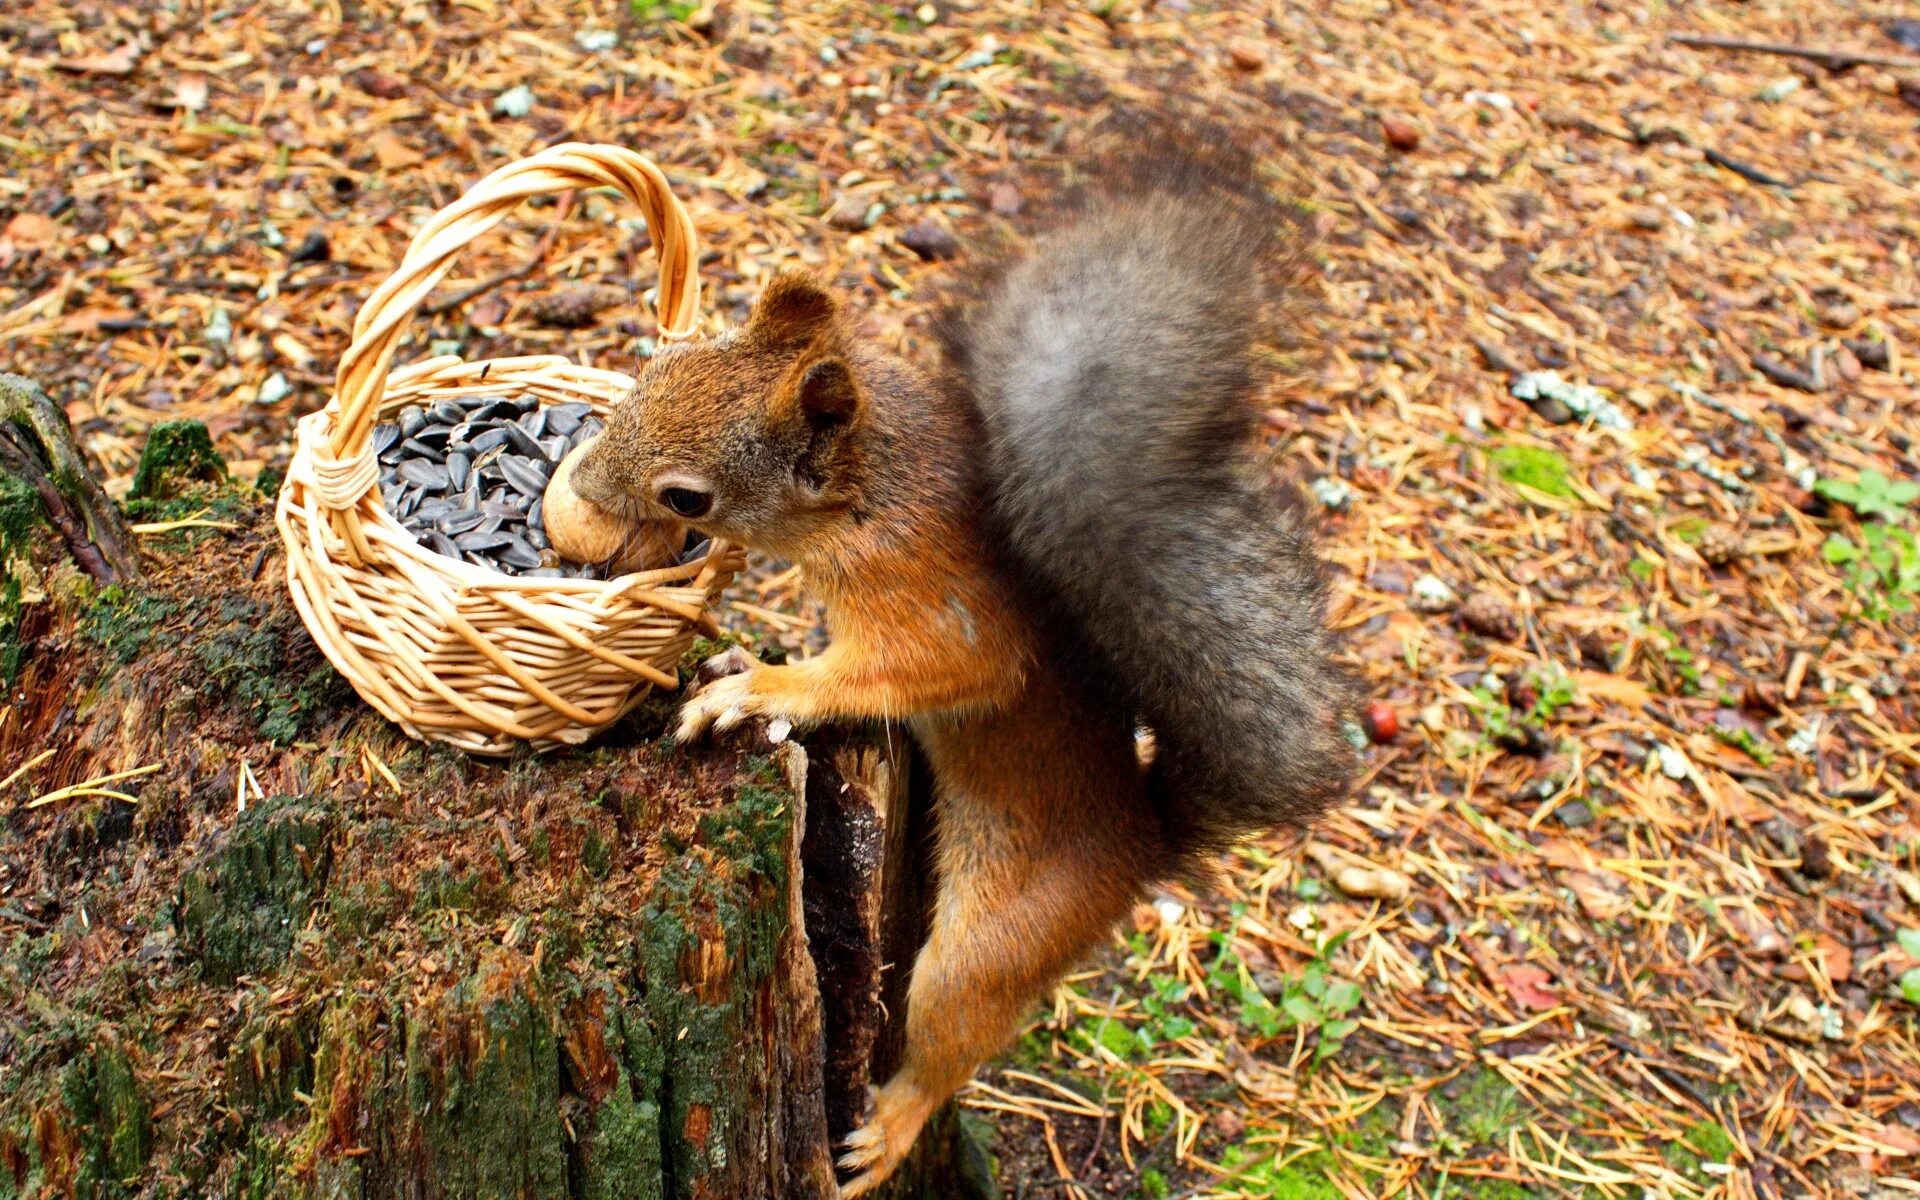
(854, 466)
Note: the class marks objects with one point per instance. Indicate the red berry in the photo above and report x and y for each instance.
(1380, 721)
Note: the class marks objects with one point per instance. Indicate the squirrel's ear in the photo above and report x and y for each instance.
(827, 394)
(792, 310)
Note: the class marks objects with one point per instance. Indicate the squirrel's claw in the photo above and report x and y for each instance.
(866, 1152)
(719, 706)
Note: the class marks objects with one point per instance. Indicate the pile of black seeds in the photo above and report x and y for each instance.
(467, 475)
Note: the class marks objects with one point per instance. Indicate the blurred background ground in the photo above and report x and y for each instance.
(1627, 898)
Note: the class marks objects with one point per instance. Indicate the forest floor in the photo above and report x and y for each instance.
(1628, 902)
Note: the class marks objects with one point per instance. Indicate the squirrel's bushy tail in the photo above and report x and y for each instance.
(1115, 370)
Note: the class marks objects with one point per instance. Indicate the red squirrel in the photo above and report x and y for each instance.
(1059, 538)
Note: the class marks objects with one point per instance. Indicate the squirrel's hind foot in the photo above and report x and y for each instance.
(876, 1149)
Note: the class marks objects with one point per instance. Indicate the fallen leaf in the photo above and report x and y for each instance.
(30, 229)
(1617, 688)
(1527, 985)
(393, 154)
(118, 61)
(1599, 895)
(1568, 855)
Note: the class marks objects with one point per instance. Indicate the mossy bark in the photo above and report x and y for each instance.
(312, 959)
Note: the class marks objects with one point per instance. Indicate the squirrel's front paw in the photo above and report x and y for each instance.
(719, 706)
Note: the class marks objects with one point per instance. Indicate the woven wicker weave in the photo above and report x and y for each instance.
(449, 651)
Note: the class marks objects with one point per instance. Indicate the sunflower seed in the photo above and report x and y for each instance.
(413, 419)
(419, 449)
(430, 510)
(459, 522)
(440, 543)
(545, 573)
(447, 412)
(494, 410)
(537, 515)
(519, 554)
(697, 552)
(522, 442)
(475, 541)
(459, 466)
(490, 439)
(563, 419)
(536, 536)
(526, 476)
(534, 423)
(385, 438)
(436, 436)
(429, 476)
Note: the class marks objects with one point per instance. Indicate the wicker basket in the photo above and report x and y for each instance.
(449, 651)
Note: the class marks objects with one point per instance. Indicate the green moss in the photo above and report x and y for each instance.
(1303, 1178)
(109, 1113)
(1530, 466)
(242, 901)
(1486, 1109)
(1153, 1184)
(20, 512)
(123, 621)
(244, 664)
(176, 450)
(442, 888)
(1691, 530)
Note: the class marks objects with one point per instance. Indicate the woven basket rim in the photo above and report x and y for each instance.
(449, 650)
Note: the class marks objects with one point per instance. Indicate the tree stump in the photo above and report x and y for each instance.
(297, 955)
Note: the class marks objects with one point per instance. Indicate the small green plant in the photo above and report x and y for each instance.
(1684, 672)
(675, 10)
(1883, 569)
(1910, 980)
(1871, 495)
(1743, 739)
(1506, 725)
(1314, 999)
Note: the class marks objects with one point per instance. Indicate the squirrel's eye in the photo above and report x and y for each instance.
(686, 501)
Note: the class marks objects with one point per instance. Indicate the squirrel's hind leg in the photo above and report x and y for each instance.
(1045, 838)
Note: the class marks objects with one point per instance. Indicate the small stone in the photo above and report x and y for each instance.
(931, 240)
(1246, 54)
(1004, 200)
(1399, 132)
(1574, 814)
(1432, 594)
(1647, 218)
(1720, 545)
(1837, 313)
(1488, 615)
(515, 102)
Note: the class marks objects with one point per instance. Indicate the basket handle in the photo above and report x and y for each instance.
(346, 474)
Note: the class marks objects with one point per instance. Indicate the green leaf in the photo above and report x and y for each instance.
(1909, 940)
(1910, 986)
(1335, 1030)
(1302, 1010)
(1342, 996)
(1839, 551)
(1314, 981)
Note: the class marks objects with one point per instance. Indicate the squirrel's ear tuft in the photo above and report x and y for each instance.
(827, 394)
(793, 309)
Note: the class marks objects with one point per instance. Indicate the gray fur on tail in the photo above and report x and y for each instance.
(1114, 370)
